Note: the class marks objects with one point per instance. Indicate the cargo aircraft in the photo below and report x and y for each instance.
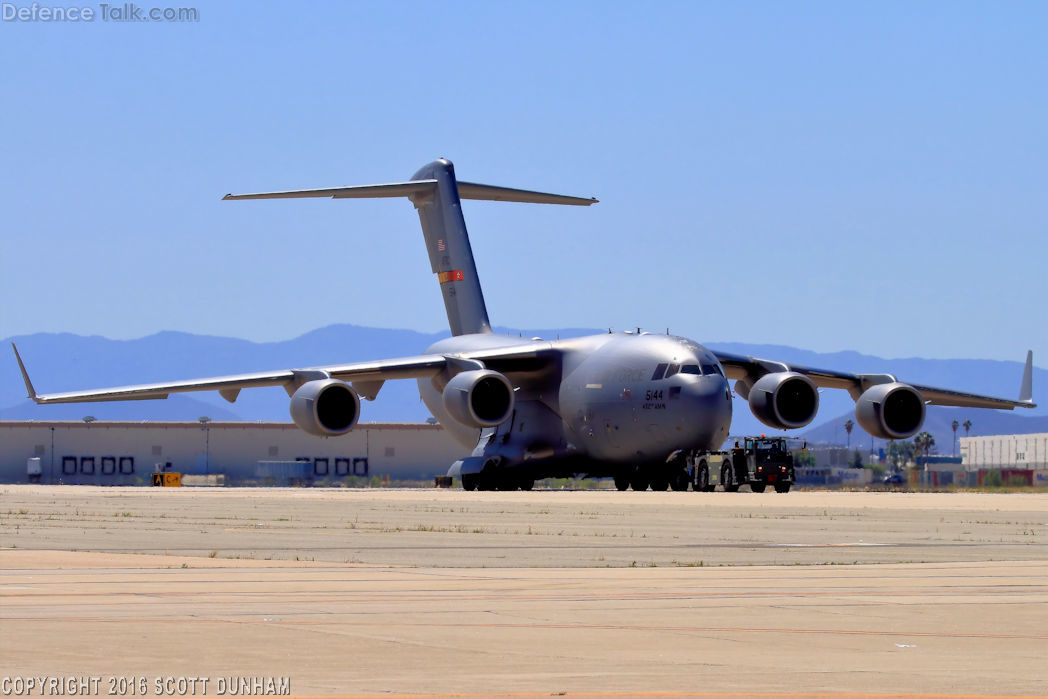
(616, 404)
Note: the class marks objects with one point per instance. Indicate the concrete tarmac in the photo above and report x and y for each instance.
(445, 593)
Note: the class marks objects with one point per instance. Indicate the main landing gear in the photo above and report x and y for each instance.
(672, 476)
(497, 481)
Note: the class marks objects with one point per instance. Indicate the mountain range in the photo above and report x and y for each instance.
(66, 362)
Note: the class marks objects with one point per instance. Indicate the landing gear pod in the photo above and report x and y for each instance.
(784, 400)
(479, 398)
(890, 411)
(325, 408)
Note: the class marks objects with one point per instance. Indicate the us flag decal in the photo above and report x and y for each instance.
(454, 275)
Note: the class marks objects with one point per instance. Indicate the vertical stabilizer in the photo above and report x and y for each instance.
(450, 254)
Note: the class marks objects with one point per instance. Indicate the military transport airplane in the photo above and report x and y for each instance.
(616, 404)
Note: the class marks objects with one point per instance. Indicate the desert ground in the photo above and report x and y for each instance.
(436, 593)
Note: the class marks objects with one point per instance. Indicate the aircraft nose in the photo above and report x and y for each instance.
(710, 397)
(706, 388)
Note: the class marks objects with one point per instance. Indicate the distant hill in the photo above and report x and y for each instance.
(65, 362)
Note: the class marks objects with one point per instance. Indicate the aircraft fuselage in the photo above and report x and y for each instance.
(611, 399)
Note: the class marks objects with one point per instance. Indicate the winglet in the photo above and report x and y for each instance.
(25, 375)
(1026, 390)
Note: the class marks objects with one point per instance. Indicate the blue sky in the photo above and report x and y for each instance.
(831, 176)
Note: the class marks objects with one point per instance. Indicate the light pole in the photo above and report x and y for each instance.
(204, 420)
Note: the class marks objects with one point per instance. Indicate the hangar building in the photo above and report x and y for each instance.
(127, 453)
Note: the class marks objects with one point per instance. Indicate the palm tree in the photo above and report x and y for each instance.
(923, 442)
(955, 425)
(899, 453)
(967, 424)
(848, 428)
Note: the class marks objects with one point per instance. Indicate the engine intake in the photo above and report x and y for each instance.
(890, 411)
(479, 398)
(325, 407)
(784, 400)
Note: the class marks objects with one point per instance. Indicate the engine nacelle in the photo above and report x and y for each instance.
(890, 411)
(784, 400)
(325, 407)
(479, 398)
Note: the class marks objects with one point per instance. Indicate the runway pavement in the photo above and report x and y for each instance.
(446, 593)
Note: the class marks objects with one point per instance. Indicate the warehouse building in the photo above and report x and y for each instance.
(261, 453)
(1002, 459)
(1005, 451)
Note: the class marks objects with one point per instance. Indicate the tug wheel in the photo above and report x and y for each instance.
(702, 479)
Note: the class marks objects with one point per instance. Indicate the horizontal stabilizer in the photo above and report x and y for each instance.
(487, 192)
(467, 190)
(366, 191)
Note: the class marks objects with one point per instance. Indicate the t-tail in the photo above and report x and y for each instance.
(437, 195)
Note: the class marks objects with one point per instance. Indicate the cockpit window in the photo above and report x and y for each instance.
(659, 371)
(691, 369)
(672, 369)
(710, 369)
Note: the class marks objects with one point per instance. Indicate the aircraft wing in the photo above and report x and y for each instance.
(367, 376)
(749, 369)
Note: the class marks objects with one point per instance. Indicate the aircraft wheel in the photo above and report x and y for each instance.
(680, 481)
(622, 481)
(757, 487)
(527, 483)
(469, 481)
(660, 483)
(639, 482)
(702, 480)
(782, 487)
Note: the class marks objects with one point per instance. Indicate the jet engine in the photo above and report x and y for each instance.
(784, 400)
(479, 398)
(890, 410)
(325, 407)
